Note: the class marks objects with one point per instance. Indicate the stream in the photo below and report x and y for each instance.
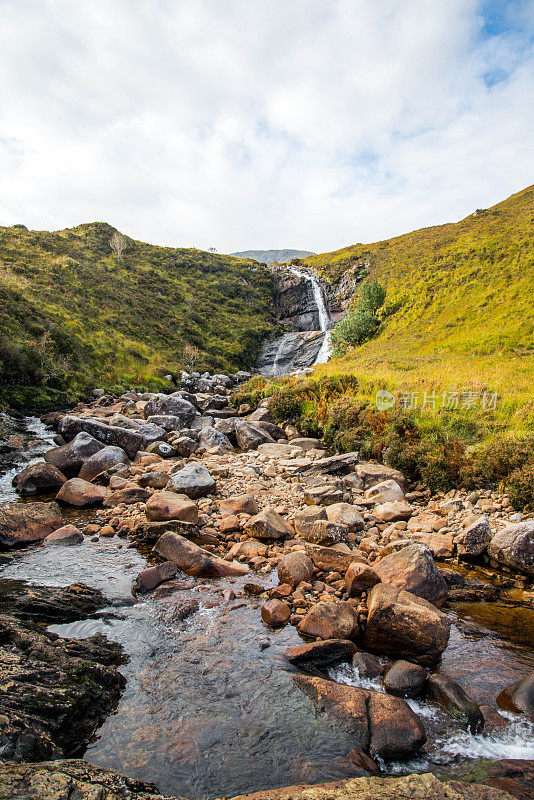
(210, 707)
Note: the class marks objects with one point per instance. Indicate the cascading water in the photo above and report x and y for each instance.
(324, 317)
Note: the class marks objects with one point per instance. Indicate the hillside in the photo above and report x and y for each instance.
(72, 317)
(268, 256)
(459, 311)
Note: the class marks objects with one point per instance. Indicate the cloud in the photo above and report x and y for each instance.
(241, 123)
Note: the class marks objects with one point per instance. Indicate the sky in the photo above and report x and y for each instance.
(255, 124)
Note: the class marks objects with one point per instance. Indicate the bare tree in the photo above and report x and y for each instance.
(117, 244)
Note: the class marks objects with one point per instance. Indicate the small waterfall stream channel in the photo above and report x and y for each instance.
(210, 707)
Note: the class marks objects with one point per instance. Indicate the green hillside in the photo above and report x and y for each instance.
(268, 256)
(459, 311)
(72, 316)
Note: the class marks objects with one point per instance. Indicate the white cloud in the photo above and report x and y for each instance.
(246, 123)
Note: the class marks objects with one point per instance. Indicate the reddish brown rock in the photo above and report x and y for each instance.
(404, 679)
(82, 494)
(239, 504)
(360, 578)
(321, 654)
(66, 535)
(193, 560)
(268, 525)
(22, 523)
(330, 621)
(413, 569)
(39, 478)
(128, 495)
(151, 577)
(396, 732)
(275, 613)
(163, 506)
(295, 568)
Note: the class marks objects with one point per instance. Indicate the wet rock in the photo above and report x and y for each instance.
(151, 577)
(393, 511)
(474, 539)
(194, 560)
(23, 523)
(66, 535)
(172, 405)
(48, 603)
(102, 460)
(321, 654)
(54, 691)
(163, 506)
(69, 457)
(249, 436)
(39, 478)
(347, 703)
(366, 665)
(268, 525)
(76, 779)
(514, 546)
(414, 570)
(403, 625)
(450, 696)
(130, 441)
(360, 578)
(519, 697)
(330, 621)
(295, 568)
(82, 494)
(385, 492)
(253, 589)
(194, 480)
(404, 679)
(396, 732)
(346, 515)
(239, 504)
(275, 613)
(147, 533)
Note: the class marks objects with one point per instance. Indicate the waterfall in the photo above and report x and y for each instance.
(324, 317)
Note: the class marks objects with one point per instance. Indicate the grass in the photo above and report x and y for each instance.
(72, 317)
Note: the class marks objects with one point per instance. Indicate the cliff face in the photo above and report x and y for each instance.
(293, 297)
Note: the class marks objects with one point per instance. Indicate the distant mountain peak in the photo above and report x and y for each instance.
(268, 256)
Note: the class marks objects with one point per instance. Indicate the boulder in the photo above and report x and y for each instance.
(330, 621)
(155, 479)
(519, 697)
(440, 544)
(279, 450)
(332, 465)
(82, 494)
(129, 441)
(414, 570)
(168, 422)
(393, 511)
(304, 521)
(268, 525)
(326, 533)
(328, 559)
(455, 701)
(23, 523)
(128, 495)
(69, 457)
(194, 480)
(347, 703)
(275, 613)
(66, 535)
(152, 433)
(151, 577)
(239, 504)
(514, 546)
(249, 436)
(210, 438)
(185, 446)
(396, 732)
(163, 506)
(307, 443)
(360, 578)
(404, 679)
(474, 539)
(324, 495)
(101, 461)
(347, 515)
(321, 654)
(48, 604)
(172, 405)
(385, 492)
(366, 665)
(194, 560)
(295, 568)
(402, 625)
(372, 473)
(39, 478)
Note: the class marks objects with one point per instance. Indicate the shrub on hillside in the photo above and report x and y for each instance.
(496, 461)
(362, 324)
(520, 487)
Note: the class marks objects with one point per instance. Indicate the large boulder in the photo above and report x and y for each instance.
(268, 524)
(328, 559)
(194, 480)
(402, 625)
(295, 568)
(130, 441)
(404, 679)
(275, 613)
(514, 546)
(385, 492)
(455, 701)
(330, 621)
(414, 570)
(360, 578)
(346, 515)
(325, 532)
(23, 523)
(165, 505)
(305, 519)
(249, 436)
(239, 504)
(474, 539)
(321, 654)
(82, 494)
(39, 478)
(69, 457)
(171, 405)
(101, 461)
(65, 536)
(519, 697)
(210, 438)
(194, 560)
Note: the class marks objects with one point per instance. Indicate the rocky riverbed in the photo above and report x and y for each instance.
(281, 615)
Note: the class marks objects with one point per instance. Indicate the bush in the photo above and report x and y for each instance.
(362, 324)
(497, 460)
(520, 487)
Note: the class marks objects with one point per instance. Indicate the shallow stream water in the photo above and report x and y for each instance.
(211, 709)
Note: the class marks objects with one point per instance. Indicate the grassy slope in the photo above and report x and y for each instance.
(464, 300)
(122, 323)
